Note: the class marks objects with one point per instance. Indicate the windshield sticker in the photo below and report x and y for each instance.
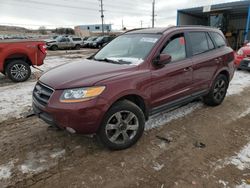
(182, 41)
(147, 39)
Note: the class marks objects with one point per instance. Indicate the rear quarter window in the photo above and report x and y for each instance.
(77, 39)
(199, 42)
(218, 39)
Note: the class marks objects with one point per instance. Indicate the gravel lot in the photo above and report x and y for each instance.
(193, 146)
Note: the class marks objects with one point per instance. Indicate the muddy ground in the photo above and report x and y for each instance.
(186, 152)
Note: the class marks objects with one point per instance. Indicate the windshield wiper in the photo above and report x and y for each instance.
(113, 61)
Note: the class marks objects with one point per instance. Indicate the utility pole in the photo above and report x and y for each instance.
(102, 16)
(141, 23)
(122, 25)
(153, 14)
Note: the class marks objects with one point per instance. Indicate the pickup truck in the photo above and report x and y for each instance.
(63, 42)
(16, 57)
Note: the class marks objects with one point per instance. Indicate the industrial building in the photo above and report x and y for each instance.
(232, 18)
(87, 30)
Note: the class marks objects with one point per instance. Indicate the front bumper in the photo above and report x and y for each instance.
(244, 64)
(84, 117)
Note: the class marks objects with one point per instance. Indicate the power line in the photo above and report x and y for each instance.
(113, 4)
(33, 3)
(76, 7)
(56, 5)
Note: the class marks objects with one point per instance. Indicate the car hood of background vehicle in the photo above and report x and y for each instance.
(246, 50)
(83, 73)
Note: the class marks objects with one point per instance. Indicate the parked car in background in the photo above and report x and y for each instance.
(88, 41)
(85, 38)
(64, 42)
(242, 57)
(16, 57)
(78, 42)
(138, 74)
(100, 41)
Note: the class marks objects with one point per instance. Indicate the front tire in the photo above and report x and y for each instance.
(18, 70)
(217, 92)
(122, 126)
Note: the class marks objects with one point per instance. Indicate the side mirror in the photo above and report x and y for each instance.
(162, 60)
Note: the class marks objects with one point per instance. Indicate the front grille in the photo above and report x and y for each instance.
(42, 93)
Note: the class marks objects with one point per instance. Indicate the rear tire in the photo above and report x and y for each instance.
(217, 92)
(54, 47)
(122, 126)
(18, 70)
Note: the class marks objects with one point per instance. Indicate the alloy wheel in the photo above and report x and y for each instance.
(19, 71)
(220, 89)
(122, 127)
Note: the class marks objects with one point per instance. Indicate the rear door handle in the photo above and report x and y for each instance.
(188, 69)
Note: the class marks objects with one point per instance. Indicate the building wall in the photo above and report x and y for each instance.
(89, 30)
(186, 19)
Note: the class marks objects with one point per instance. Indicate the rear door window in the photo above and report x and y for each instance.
(175, 47)
(219, 40)
(199, 42)
(77, 39)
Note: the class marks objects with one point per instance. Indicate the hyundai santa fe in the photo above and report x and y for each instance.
(138, 74)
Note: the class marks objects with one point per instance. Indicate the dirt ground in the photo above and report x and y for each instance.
(186, 152)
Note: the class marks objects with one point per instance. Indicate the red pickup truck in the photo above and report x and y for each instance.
(16, 57)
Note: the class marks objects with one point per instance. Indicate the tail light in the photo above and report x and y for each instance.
(42, 48)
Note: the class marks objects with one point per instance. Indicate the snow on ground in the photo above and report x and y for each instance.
(165, 117)
(245, 113)
(240, 80)
(243, 185)
(157, 166)
(40, 161)
(224, 183)
(15, 100)
(242, 159)
(5, 170)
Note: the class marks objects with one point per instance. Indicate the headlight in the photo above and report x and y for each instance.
(240, 52)
(81, 94)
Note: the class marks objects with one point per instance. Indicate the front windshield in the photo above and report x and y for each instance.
(128, 48)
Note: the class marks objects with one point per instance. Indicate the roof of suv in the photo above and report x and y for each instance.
(170, 28)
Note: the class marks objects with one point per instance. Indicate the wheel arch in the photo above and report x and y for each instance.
(226, 73)
(15, 56)
(137, 100)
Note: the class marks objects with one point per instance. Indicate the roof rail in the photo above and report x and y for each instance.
(194, 26)
(136, 29)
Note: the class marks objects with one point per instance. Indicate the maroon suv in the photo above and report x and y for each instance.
(140, 73)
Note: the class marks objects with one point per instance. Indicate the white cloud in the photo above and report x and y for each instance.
(33, 13)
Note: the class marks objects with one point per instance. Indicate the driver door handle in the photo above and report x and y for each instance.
(188, 69)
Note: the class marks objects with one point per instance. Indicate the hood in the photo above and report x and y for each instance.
(246, 50)
(83, 73)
